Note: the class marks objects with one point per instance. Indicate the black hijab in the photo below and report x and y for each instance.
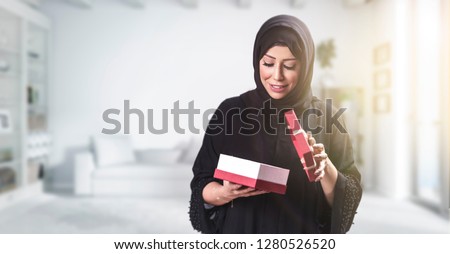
(292, 32)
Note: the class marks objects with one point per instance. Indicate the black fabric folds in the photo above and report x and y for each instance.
(240, 128)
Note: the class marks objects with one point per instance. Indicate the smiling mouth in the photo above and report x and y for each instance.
(278, 88)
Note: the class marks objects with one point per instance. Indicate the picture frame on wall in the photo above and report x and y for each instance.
(5, 121)
(382, 79)
(382, 54)
(382, 103)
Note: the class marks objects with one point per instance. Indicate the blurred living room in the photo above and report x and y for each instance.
(87, 86)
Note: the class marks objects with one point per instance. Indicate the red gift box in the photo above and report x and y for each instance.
(252, 174)
(299, 138)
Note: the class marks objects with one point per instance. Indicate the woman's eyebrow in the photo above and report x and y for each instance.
(270, 56)
(287, 59)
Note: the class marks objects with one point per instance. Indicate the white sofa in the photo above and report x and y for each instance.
(113, 167)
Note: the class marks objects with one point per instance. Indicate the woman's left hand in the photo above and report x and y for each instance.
(319, 156)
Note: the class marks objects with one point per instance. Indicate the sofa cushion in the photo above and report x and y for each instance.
(159, 156)
(144, 171)
(113, 150)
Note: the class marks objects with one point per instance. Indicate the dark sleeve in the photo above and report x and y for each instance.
(348, 190)
(203, 219)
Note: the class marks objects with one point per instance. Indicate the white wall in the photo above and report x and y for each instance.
(164, 53)
(395, 143)
(382, 134)
(445, 150)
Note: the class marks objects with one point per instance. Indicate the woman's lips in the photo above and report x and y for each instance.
(278, 88)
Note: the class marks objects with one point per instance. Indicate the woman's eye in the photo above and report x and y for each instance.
(267, 64)
(292, 67)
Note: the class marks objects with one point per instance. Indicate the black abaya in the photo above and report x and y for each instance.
(239, 128)
(303, 209)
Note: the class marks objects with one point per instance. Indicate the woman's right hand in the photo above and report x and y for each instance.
(233, 191)
(216, 194)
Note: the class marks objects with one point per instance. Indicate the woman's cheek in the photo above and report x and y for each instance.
(265, 73)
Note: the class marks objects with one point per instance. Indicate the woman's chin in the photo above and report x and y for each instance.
(277, 96)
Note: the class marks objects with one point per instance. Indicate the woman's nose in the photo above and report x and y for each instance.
(278, 73)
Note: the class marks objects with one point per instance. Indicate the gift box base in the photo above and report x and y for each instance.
(250, 182)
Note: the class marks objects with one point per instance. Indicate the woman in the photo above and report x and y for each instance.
(251, 126)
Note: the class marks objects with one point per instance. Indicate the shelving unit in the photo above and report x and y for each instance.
(24, 134)
(38, 142)
(11, 128)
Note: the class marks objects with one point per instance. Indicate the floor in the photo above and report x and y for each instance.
(377, 214)
(67, 214)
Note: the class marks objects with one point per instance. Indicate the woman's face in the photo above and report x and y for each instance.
(279, 71)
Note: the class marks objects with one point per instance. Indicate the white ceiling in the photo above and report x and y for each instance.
(189, 3)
